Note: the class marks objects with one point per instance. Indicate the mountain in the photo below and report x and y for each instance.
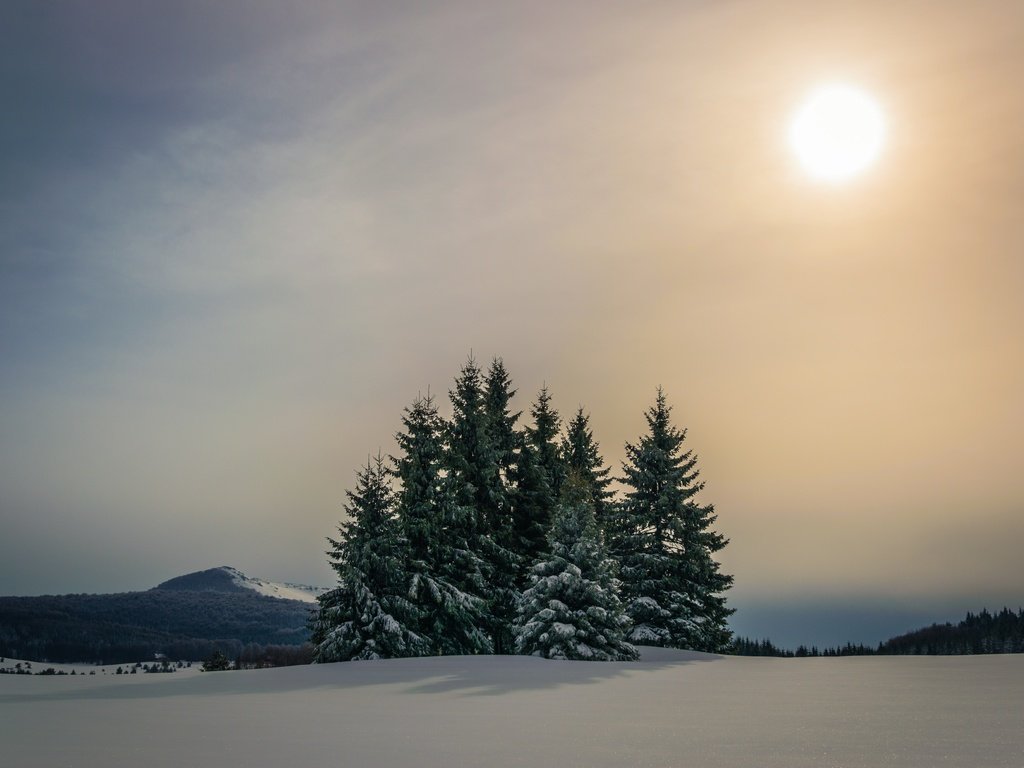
(227, 579)
(187, 617)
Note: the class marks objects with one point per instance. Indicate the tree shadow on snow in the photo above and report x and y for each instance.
(465, 675)
(497, 675)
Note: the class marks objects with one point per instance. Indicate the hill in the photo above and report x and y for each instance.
(983, 632)
(185, 618)
(227, 579)
(211, 580)
(979, 633)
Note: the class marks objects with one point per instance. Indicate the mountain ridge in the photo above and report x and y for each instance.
(186, 617)
(225, 578)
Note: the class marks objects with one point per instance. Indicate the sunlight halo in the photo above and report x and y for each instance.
(837, 133)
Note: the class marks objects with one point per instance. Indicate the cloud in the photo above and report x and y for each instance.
(236, 241)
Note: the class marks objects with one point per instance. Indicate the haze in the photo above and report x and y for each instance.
(235, 240)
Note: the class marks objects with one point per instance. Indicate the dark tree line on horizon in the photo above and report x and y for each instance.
(486, 536)
(744, 646)
(983, 632)
(978, 633)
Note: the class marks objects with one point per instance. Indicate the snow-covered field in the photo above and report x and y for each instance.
(672, 709)
(35, 667)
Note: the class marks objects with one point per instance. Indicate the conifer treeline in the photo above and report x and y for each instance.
(744, 646)
(985, 632)
(979, 633)
(484, 536)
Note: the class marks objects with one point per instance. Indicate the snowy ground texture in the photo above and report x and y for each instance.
(672, 709)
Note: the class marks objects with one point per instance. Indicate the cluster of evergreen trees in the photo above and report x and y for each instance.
(484, 537)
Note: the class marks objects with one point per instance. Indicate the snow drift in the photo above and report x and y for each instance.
(671, 709)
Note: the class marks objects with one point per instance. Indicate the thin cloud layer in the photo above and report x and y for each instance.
(237, 241)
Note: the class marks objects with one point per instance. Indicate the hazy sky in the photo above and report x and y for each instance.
(237, 238)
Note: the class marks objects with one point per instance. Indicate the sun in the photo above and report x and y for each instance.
(837, 133)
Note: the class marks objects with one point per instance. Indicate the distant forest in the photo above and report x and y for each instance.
(135, 626)
(983, 632)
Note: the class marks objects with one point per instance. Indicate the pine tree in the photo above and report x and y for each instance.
(367, 616)
(572, 609)
(539, 475)
(445, 575)
(469, 456)
(663, 539)
(532, 506)
(504, 442)
(543, 438)
(581, 453)
(475, 468)
(501, 421)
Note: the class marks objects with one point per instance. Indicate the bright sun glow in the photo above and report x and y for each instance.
(837, 133)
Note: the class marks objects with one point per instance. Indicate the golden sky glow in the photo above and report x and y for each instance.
(237, 241)
(837, 133)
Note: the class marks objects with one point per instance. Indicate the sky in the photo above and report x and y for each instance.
(236, 239)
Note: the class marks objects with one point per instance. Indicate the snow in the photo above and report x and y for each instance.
(672, 709)
(92, 669)
(286, 591)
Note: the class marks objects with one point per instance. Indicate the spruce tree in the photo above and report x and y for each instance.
(572, 609)
(501, 421)
(474, 465)
(470, 457)
(581, 453)
(663, 539)
(504, 442)
(368, 615)
(539, 475)
(543, 438)
(532, 506)
(445, 575)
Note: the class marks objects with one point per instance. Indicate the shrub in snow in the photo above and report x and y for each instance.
(218, 662)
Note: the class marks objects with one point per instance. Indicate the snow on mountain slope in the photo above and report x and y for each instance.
(227, 579)
(286, 591)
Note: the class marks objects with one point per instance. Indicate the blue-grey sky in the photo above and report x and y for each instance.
(237, 238)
